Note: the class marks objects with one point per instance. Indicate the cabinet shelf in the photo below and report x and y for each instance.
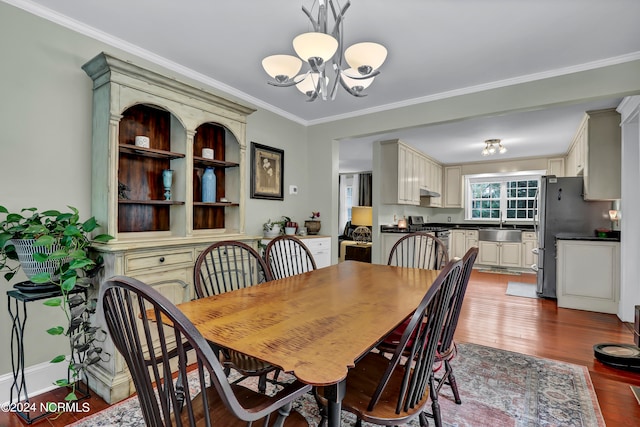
(203, 163)
(149, 152)
(149, 202)
(215, 204)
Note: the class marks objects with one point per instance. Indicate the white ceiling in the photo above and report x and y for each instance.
(437, 48)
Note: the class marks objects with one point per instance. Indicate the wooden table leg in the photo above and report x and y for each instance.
(334, 395)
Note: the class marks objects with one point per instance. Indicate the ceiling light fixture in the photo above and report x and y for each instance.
(322, 49)
(493, 145)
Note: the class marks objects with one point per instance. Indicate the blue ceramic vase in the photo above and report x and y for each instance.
(209, 186)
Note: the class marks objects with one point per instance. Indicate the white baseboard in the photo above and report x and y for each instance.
(38, 378)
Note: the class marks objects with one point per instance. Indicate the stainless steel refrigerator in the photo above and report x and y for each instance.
(562, 209)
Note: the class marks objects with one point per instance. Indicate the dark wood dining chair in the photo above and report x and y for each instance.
(199, 394)
(446, 347)
(227, 266)
(419, 250)
(414, 250)
(287, 256)
(386, 391)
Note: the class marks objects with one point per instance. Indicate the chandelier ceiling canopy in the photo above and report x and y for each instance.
(491, 146)
(322, 49)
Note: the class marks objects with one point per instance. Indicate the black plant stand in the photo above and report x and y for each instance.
(17, 305)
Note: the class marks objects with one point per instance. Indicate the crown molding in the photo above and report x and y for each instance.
(101, 36)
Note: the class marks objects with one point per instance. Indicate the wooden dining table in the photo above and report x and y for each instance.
(315, 325)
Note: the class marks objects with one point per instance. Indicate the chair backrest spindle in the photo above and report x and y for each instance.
(226, 266)
(419, 250)
(457, 298)
(287, 256)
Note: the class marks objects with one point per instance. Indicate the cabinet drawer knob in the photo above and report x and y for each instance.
(161, 259)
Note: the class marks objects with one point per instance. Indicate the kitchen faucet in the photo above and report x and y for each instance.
(501, 222)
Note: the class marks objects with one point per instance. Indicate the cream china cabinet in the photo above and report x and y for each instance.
(159, 233)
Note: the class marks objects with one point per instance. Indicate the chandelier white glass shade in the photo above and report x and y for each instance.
(322, 49)
(491, 146)
(355, 83)
(281, 66)
(309, 84)
(315, 48)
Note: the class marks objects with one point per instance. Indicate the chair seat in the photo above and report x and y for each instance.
(447, 354)
(361, 384)
(223, 417)
(393, 339)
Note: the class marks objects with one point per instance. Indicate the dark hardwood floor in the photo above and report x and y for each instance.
(532, 326)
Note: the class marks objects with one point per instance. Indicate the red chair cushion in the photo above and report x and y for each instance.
(393, 339)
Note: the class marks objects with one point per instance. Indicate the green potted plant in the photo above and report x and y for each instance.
(53, 247)
(275, 228)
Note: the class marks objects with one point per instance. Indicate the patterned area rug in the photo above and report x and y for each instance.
(498, 389)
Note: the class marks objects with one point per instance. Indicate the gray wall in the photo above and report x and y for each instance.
(45, 147)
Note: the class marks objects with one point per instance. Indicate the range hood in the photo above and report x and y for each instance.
(428, 193)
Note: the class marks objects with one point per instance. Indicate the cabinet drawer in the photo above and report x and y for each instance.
(471, 233)
(134, 263)
(528, 235)
(317, 244)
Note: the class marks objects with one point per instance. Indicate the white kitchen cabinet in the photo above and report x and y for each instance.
(460, 241)
(555, 166)
(602, 155)
(575, 156)
(588, 275)
(529, 243)
(570, 162)
(424, 171)
(499, 254)
(435, 184)
(400, 169)
(471, 239)
(432, 181)
(453, 191)
(319, 246)
(388, 240)
(595, 153)
(457, 243)
(488, 253)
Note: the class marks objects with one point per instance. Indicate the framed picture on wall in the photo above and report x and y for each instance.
(267, 172)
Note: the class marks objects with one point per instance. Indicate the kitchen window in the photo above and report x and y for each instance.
(509, 196)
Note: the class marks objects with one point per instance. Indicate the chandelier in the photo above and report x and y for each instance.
(322, 50)
(493, 145)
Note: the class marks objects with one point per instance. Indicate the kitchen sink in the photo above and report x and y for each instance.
(500, 235)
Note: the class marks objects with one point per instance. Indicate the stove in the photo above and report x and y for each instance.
(416, 223)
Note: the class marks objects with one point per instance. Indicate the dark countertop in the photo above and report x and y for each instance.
(574, 236)
(475, 226)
